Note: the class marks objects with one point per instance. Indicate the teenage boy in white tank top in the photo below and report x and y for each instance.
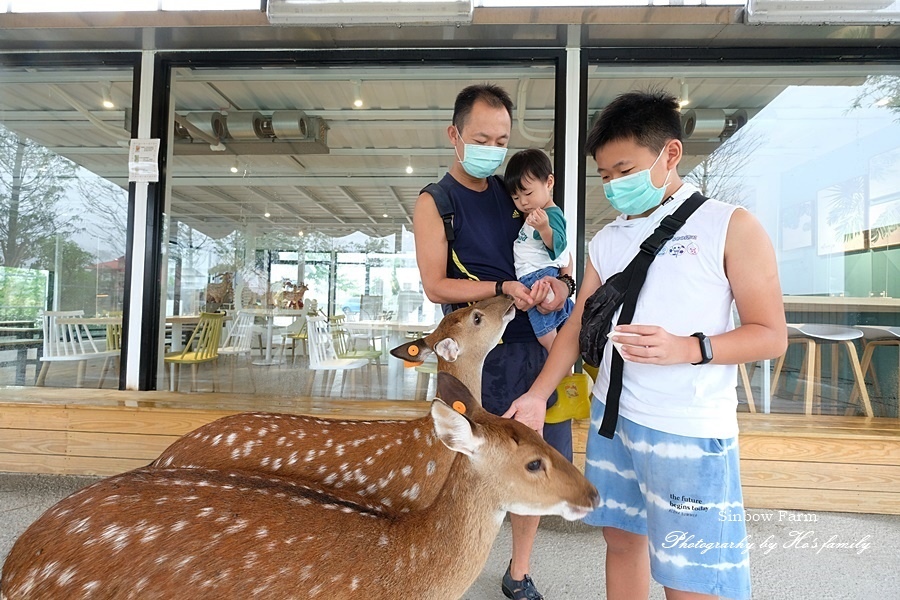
(669, 478)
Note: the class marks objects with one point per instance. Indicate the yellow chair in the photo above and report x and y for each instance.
(202, 347)
(573, 399)
(113, 342)
(345, 347)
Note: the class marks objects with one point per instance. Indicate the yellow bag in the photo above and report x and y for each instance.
(573, 399)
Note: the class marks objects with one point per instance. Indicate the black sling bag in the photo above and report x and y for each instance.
(623, 289)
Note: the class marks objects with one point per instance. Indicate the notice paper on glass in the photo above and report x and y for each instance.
(143, 156)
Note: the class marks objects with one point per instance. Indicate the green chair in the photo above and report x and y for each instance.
(202, 347)
(345, 347)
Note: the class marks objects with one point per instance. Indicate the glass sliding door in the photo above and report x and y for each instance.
(292, 194)
(63, 221)
(814, 153)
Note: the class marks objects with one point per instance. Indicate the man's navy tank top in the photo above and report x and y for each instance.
(486, 224)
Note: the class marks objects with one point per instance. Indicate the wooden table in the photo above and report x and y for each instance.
(841, 304)
(23, 323)
(176, 321)
(270, 314)
(23, 339)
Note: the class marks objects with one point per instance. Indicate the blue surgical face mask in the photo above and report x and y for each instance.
(481, 161)
(635, 194)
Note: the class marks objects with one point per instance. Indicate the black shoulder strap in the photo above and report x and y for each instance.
(446, 209)
(444, 206)
(637, 274)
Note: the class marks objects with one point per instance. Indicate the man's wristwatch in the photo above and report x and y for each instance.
(706, 352)
(498, 288)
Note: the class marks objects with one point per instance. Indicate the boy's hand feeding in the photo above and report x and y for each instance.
(653, 345)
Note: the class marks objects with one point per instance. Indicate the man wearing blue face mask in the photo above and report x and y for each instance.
(672, 504)
(464, 250)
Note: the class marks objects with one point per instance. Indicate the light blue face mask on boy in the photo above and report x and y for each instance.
(635, 194)
(481, 161)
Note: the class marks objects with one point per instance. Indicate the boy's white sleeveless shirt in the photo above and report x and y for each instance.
(686, 291)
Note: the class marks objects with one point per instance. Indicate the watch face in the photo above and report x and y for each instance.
(705, 348)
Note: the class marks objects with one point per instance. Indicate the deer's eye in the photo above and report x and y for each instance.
(534, 465)
(477, 318)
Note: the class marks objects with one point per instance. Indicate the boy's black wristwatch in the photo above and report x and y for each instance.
(706, 352)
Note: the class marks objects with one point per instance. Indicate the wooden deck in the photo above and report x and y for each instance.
(825, 463)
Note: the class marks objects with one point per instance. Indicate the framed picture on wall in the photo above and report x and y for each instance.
(884, 175)
(884, 224)
(797, 226)
(841, 217)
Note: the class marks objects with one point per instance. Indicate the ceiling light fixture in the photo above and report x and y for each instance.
(807, 12)
(409, 168)
(235, 167)
(338, 13)
(300, 233)
(357, 94)
(685, 98)
(106, 96)
(266, 214)
(384, 215)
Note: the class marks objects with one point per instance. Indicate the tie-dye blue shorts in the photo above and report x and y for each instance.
(684, 493)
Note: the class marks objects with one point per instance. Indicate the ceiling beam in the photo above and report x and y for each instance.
(400, 204)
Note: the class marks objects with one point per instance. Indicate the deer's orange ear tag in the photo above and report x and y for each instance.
(459, 407)
(413, 350)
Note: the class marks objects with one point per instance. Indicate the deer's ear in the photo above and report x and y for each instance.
(454, 393)
(447, 349)
(414, 351)
(454, 430)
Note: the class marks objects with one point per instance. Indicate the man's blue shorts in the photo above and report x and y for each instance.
(684, 493)
(509, 370)
(543, 324)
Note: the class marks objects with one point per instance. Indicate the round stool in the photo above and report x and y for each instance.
(814, 336)
(875, 336)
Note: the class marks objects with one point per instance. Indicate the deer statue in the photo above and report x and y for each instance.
(291, 295)
(304, 444)
(221, 292)
(210, 534)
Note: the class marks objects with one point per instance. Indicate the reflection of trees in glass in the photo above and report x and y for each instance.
(107, 203)
(846, 206)
(76, 277)
(32, 183)
(22, 293)
(879, 90)
(718, 175)
(885, 224)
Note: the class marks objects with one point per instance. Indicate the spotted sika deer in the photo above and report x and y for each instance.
(199, 533)
(296, 446)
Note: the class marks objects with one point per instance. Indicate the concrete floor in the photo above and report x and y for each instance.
(568, 557)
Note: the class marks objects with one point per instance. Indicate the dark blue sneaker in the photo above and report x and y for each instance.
(522, 589)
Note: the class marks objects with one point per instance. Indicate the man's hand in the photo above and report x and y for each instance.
(521, 295)
(560, 294)
(655, 346)
(530, 410)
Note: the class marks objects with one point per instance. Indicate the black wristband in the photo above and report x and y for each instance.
(570, 283)
(498, 288)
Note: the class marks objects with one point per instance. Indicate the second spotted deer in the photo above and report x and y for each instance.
(411, 464)
(158, 534)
